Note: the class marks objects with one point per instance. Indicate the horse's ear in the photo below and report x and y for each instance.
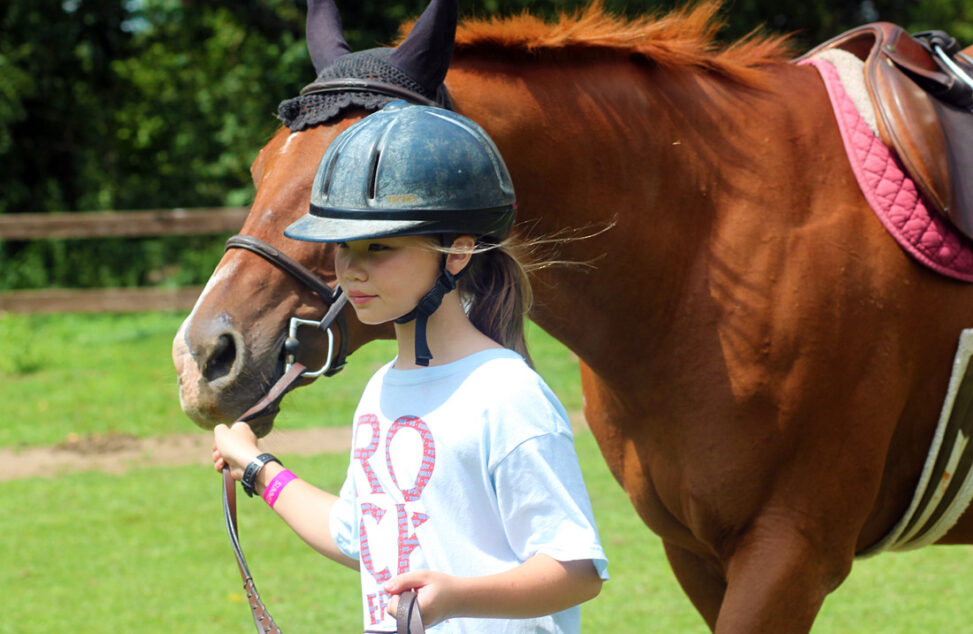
(325, 38)
(426, 53)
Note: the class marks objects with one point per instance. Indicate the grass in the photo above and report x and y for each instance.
(146, 551)
(93, 374)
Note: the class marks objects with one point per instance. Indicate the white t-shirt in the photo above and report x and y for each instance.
(469, 469)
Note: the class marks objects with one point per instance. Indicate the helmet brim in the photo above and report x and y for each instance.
(336, 225)
(311, 228)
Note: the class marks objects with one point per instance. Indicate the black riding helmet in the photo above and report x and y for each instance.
(410, 170)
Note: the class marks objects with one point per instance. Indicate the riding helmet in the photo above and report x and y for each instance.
(409, 170)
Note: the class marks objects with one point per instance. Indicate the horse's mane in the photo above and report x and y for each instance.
(682, 38)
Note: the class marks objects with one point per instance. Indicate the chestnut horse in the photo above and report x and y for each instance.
(762, 365)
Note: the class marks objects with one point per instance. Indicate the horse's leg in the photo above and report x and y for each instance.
(701, 582)
(777, 579)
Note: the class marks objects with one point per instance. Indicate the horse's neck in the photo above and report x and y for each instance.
(599, 144)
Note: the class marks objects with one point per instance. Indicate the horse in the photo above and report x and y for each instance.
(762, 365)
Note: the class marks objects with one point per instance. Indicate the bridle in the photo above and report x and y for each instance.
(334, 363)
(408, 618)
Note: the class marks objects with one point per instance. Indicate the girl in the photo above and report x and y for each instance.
(463, 484)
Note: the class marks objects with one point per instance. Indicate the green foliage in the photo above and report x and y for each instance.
(954, 17)
(144, 104)
(171, 261)
(160, 103)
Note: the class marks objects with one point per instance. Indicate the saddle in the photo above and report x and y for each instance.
(923, 108)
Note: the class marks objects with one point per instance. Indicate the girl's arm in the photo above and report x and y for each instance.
(541, 585)
(305, 508)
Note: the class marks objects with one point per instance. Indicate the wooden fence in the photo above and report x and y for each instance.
(161, 222)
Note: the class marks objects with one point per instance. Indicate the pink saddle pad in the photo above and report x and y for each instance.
(893, 196)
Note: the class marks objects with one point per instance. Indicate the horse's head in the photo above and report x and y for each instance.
(230, 349)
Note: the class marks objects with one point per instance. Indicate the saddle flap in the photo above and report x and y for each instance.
(930, 137)
(908, 120)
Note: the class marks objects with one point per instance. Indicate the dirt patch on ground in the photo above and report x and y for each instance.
(118, 453)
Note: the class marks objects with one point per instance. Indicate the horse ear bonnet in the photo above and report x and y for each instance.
(313, 109)
(409, 170)
(419, 64)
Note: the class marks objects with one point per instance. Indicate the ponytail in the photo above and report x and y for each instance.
(496, 291)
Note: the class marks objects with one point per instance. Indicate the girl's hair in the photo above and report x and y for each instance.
(496, 292)
(495, 287)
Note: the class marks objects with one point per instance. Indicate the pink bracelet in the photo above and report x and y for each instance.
(277, 485)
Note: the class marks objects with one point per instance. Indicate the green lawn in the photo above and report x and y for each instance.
(146, 551)
(88, 374)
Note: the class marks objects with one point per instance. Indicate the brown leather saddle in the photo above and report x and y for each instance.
(923, 107)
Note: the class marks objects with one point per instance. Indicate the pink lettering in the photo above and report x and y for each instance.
(363, 455)
(428, 455)
(377, 603)
(377, 513)
(407, 542)
(407, 523)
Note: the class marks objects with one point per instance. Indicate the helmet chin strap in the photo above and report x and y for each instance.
(426, 307)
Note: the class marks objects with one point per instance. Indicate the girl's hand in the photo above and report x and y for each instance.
(438, 594)
(234, 446)
(539, 586)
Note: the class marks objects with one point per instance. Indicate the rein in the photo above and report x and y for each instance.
(295, 372)
(261, 617)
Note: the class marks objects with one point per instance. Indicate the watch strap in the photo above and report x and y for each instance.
(253, 469)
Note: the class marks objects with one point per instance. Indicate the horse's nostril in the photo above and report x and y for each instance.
(221, 361)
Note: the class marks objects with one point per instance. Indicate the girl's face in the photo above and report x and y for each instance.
(384, 278)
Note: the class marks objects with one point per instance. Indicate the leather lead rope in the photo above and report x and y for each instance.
(408, 618)
(261, 617)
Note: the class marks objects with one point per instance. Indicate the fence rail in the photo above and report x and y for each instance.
(113, 224)
(99, 300)
(125, 224)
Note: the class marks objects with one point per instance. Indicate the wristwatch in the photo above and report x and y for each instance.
(250, 473)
